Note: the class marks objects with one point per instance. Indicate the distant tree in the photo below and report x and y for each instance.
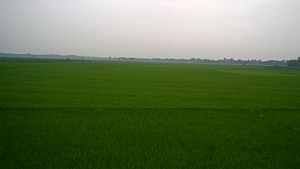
(293, 63)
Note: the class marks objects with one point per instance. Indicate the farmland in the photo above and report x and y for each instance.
(92, 114)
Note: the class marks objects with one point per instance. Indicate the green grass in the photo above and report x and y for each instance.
(147, 115)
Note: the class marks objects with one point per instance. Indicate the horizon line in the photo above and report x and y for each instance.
(144, 57)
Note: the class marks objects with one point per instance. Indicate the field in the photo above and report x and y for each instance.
(64, 114)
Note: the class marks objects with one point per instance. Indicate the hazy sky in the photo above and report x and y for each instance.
(266, 29)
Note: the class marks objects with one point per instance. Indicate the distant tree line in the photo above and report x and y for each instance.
(294, 63)
(231, 61)
(249, 62)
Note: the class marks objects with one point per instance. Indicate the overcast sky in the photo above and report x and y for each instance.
(265, 29)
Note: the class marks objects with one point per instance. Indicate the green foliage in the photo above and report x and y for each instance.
(147, 115)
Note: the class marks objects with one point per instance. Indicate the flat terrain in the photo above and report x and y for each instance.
(63, 115)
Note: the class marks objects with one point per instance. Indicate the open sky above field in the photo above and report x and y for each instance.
(246, 29)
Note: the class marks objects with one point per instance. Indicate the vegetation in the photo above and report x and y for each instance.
(231, 61)
(87, 114)
(294, 63)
